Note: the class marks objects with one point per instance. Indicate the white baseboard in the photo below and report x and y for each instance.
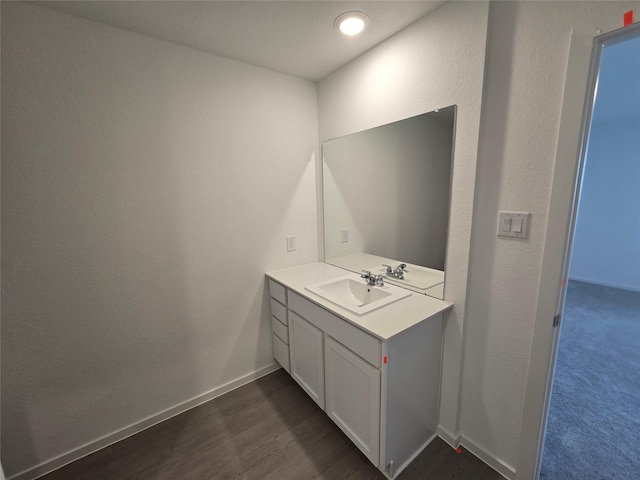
(455, 441)
(605, 284)
(99, 443)
(498, 465)
(448, 437)
(414, 456)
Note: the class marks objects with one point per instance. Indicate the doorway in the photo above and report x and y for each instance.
(593, 422)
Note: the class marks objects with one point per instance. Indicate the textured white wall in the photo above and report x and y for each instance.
(146, 188)
(527, 55)
(526, 66)
(436, 62)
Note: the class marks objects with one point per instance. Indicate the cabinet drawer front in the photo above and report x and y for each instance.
(281, 353)
(362, 343)
(280, 330)
(279, 311)
(278, 292)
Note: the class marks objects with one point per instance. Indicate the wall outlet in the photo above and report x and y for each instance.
(345, 235)
(291, 243)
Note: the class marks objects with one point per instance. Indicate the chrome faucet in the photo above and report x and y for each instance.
(372, 278)
(397, 272)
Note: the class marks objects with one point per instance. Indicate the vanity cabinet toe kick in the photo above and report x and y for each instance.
(382, 393)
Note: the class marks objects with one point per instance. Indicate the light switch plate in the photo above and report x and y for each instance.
(513, 224)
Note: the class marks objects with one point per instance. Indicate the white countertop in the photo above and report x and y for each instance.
(384, 323)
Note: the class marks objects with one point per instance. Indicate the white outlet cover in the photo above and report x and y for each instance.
(291, 243)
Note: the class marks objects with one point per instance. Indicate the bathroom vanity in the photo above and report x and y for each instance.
(424, 280)
(376, 374)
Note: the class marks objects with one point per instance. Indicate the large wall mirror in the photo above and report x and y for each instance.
(386, 200)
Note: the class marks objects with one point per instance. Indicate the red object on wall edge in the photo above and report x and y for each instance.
(627, 18)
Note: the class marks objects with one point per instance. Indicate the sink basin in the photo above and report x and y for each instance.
(355, 295)
(418, 277)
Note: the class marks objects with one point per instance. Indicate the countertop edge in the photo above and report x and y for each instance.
(420, 308)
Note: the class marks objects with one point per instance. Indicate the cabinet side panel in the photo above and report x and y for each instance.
(413, 388)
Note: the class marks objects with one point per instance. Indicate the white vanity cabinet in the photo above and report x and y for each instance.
(377, 378)
(353, 397)
(306, 353)
(279, 324)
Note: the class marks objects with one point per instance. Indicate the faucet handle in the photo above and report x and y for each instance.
(366, 274)
(389, 268)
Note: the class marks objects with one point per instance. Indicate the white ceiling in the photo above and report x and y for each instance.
(294, 37)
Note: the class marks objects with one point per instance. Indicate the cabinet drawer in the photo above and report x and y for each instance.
(279, 311)
(279, 329)
(281, 353)
(360, 342)
(278, 292)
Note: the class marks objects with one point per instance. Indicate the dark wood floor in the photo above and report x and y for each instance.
(269, 429)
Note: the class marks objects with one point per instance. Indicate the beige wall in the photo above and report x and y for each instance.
(146, 188)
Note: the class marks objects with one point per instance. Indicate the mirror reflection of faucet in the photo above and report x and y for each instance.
(397, 272)
(372, 278)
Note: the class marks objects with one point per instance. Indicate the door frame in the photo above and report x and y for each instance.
(575, 123)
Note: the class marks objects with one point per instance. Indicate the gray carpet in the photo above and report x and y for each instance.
(593, 429)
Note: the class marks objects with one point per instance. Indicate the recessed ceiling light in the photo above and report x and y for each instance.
(352, 23)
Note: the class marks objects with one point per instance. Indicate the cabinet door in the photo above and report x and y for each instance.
(353, 397)
(307, 362)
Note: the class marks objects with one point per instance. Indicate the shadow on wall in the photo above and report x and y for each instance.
(94, 276)
(493, 126)
(140, 180)
(94, 272)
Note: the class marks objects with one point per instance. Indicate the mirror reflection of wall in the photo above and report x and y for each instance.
(387, 190)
